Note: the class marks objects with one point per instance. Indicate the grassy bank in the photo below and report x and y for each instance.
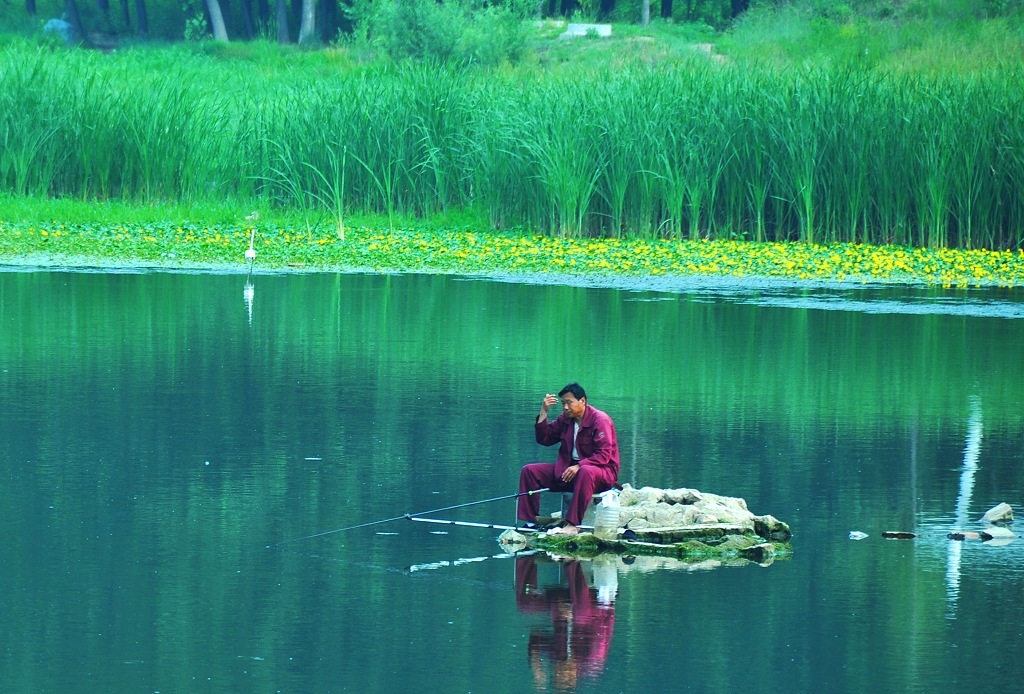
(121, 235)
(688, 148)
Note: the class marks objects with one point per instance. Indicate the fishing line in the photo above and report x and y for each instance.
(410, 515)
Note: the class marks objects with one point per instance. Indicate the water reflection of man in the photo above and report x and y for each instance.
(576, 646)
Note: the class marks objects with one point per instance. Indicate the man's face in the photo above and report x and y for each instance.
(573, 407)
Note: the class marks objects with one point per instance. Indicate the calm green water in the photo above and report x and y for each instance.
(161, 434)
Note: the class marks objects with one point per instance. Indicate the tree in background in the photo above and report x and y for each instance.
(330, 20)
(282, 21)
(141, 18)
(220, 32)
(126, 14)
(248, 23)
(74, 18)
(307, 29)
(104, 6)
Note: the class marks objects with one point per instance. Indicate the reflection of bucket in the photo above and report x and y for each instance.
(606, 519)
(606, 578)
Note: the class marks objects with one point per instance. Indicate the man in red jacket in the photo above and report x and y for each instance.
(588, 457)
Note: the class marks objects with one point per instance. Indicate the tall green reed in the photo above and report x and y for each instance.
(688, 150)
(32, 120)
(561, 148)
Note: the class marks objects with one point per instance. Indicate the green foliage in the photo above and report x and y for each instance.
(943, 11)
(853, 151)
(358, 14)
(196, 28)
(487, 34)
(716, 14)
(362, 20)
(495, 34)
(795, 36)
(16, 20)
(419, 28)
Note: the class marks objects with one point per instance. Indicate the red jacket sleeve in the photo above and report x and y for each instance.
(550, 433)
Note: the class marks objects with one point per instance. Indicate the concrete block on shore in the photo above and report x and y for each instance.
(574, 30)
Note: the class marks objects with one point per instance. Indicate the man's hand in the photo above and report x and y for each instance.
(546, 404)
(570, 473)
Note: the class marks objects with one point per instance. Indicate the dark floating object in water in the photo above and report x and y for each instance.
(997, 533)
(898, 535)
(961, 535)
(994, 535)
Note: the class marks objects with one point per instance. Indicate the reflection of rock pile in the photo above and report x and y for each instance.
(682, 523)
(649, 564)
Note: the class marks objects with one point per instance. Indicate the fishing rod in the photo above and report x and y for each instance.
(494, 526)
(410, 515)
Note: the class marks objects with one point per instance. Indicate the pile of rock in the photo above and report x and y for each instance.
(648, 508)
(686, 524)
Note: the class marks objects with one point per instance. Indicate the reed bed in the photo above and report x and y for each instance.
(683, 151)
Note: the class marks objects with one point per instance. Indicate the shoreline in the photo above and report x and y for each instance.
(642, 264)
(662, 283)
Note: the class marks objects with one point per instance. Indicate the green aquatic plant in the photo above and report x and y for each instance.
(685, 150)
(383, 245)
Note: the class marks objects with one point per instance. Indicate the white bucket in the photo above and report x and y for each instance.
(606, 519)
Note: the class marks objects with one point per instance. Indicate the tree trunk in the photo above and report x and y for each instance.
(127, 14)
(282, 22)
(74, 18)
(666, 9)
(307, 30)
(141, 18)
(220, 32)
(739, 7)
(645, 13)
(30, 7)
(248, 25)
(104, 6)
(295, 13)
(330, 26)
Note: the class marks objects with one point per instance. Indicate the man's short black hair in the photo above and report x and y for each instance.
(576, 389)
